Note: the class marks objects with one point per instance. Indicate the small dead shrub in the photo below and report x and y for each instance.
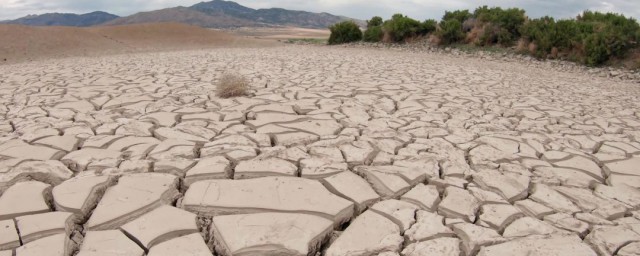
(522, 46)
(473, 36)
(232, 85)
(554, 53)
(387, 37)
(434, 39)
(470, 24)
(533, 48)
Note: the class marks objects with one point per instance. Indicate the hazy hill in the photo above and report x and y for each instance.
(184, 15)
(224, 7)
(64, 19)
(274, 16)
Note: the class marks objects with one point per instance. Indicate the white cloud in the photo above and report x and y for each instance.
(363, 9)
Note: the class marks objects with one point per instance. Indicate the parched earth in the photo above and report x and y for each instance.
(336, 152)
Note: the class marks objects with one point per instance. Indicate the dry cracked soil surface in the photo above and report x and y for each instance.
(337, 152)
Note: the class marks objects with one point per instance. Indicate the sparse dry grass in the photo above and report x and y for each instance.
(533, 48)
(522, 46)
(554, 52)
(434, 40)
(232, 85)
(473, 36)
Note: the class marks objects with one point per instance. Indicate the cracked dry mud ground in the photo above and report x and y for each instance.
(338, 152)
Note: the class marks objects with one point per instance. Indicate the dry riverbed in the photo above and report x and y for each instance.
(337, 151)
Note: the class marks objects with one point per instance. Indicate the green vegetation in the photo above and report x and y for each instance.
(373, 34)
(592, 38)
(345, 32)
(459, 15)
(472, 48)
(544, 34)
(498, 26)
(399, 28)
(374, 30)
(428, 27)
(307, 40)
(376, 21)
(450, 31)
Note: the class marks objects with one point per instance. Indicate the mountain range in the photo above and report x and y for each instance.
(64, 19)
(213, 14)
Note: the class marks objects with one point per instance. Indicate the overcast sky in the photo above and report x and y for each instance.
(361, 9)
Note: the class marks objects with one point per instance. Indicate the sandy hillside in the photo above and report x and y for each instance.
(183, 15)
(20, 43)
(281, 33)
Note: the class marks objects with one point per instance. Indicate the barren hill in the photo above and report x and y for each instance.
(184, 15)
(20, 42)
(273, 16)
(64, 19)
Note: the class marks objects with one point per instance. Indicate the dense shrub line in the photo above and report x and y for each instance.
(592, 38)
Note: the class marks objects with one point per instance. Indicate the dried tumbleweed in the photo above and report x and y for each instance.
(232, 85)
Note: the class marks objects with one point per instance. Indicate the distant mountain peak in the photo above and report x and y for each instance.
(274, 16)
(100, 12)
(184, 15)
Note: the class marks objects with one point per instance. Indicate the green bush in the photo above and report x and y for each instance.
(345, 32)
(607, 43)
(374, 30)
(541, 32)
(619, 23)
(397, 29)
(567, 34)
(450, 31)
(611, 35)
(459, 15)
(596, 49)
(428, 27)
(594, 36)
(376, 21)
(400, 27)
(546, 33)
(373, 34)
(500, 26)
(497, 25)
(494, 34)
